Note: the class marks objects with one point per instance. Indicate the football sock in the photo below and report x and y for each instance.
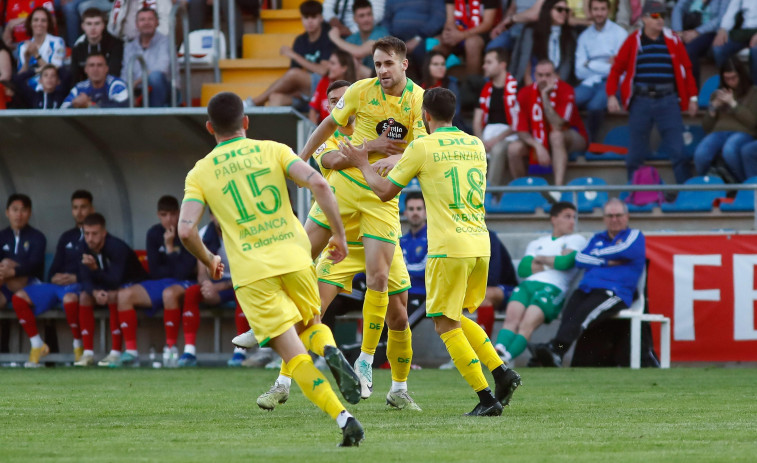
(374, 313)
(171, 320)
(87, 325)
(314, 385)
(485, 396)
(25, 316)
(190, 319)
(518, 345)
(317, 337)
(284, 380)
(190, 349)
(505, 337)
(481, 344)
(485, 318)
(36, 341)
(72, 317)
(399, 351)
(464, 358)
(78, 344)
(115, 327)
(399, 386)
(341, 419)
(284, 372)
(128, 320)
(240, 319)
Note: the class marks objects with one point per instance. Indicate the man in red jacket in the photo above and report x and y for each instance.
(657, 86)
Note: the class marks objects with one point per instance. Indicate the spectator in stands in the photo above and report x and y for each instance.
(63, 288)
(172, 270)
(122, 22)
(552, 38)
(613, 262)
(550, 131)
(107, 264)
(435, 75)
(414, 21)
(629, 14)
(341, 66)
(414, 246)
(96, 39)
(657, 75)
(731, 120)
(732, 37)
(596, 50)
(7, 89)
(309, 54)
(696, 22)
(48, 94)
(100, 90)
(14, 19)
(360, 44)
(519, 13)
(42, 48)
(466, 30)
(22, 249)
(547, 269)
(339, 14)
(500, 282)
(153, 47)
(73, 12)
(495, 121)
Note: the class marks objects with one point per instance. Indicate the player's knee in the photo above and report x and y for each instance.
(172, 294)
(70, 297)
(378, 281)
(516, 149)
(21, 294)
(396, 320)
(86, 299)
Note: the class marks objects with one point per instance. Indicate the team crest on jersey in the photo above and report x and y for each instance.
(397, 131)
(320, 149)
(340, 103)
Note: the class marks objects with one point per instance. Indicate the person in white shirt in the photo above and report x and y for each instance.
(731, 39)
(547, 271)
(595, 52)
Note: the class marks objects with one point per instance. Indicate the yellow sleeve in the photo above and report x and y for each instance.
(287, 158)
(192, 189)
(347, 106)
(327, 147)
(409, 165)
(419, 128)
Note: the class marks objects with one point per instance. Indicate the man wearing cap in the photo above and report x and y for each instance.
(658, 81)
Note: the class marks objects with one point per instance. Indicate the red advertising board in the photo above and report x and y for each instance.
(706, 285)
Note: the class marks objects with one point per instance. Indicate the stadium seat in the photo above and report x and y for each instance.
(744, 200)
(201, 49)
(587, 199)
(693, 200)
(709, 86)
(525, 202)
(636, 315)
(617, 136)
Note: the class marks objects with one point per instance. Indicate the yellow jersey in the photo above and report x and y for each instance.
(451, 169)
(374, 111)
(332, 144)
(243, 181)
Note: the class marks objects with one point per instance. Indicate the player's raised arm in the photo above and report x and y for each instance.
(189, 217)
(324, 130)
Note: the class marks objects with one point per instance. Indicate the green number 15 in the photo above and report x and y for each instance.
(475, 181)
(252, 179)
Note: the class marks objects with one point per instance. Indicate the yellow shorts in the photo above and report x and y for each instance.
(341, 274)
(273, 305)
(350, 221)
(454, 284)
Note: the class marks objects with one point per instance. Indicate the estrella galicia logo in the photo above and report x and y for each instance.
(397, 131)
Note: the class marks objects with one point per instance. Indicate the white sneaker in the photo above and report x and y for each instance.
(278, 394)
(503, 353)
(274, 364)
(447, 366)
(364, 372)
(85, 360)
(260, 358)
(402, 400)
(110, 360)
(246, 340)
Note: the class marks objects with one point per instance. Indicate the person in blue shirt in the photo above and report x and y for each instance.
(63, 287)
(613, 261)
(414, 246)
(100, 90)
(172, 270)
(22, 249)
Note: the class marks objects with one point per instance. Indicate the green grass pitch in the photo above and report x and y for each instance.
(209, 415)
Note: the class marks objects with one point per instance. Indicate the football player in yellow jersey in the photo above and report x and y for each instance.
(244, 182)
(451, 168)
(389, 103)
(335, 277)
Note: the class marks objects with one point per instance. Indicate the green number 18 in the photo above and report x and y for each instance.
(475, 181)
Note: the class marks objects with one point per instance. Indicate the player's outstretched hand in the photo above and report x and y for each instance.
(385, 145)
(384, 166)
(356, 155)
(336, 249)
(216, 268)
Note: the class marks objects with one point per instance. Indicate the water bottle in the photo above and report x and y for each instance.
(153, 362)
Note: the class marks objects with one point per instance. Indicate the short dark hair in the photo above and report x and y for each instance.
(360, 4)
(414, 195)
(310, 9)
(440, 103)
(337, 84)
(92, 13)
(558, 207)
(226, 112)
(389, 45)
(168, 203)
(82, 194)
(97, 53)
(600, 1)
(546, 61)
(50, 21)
(25, 200)
(94, 218)
(148, 9)
(49, 66)
(502, 54)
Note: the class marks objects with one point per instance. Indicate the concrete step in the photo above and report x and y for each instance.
(282, 21)
(259, 46)
(293, 4)
(253, 70)
(244, 91)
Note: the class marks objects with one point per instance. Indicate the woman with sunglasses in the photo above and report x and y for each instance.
(552, 38)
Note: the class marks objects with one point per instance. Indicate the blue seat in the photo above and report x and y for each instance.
(617, 136)
(744, 200)
(709, 86)
(587, 199)
(522, 203)
(696, 201)
(692, 135)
